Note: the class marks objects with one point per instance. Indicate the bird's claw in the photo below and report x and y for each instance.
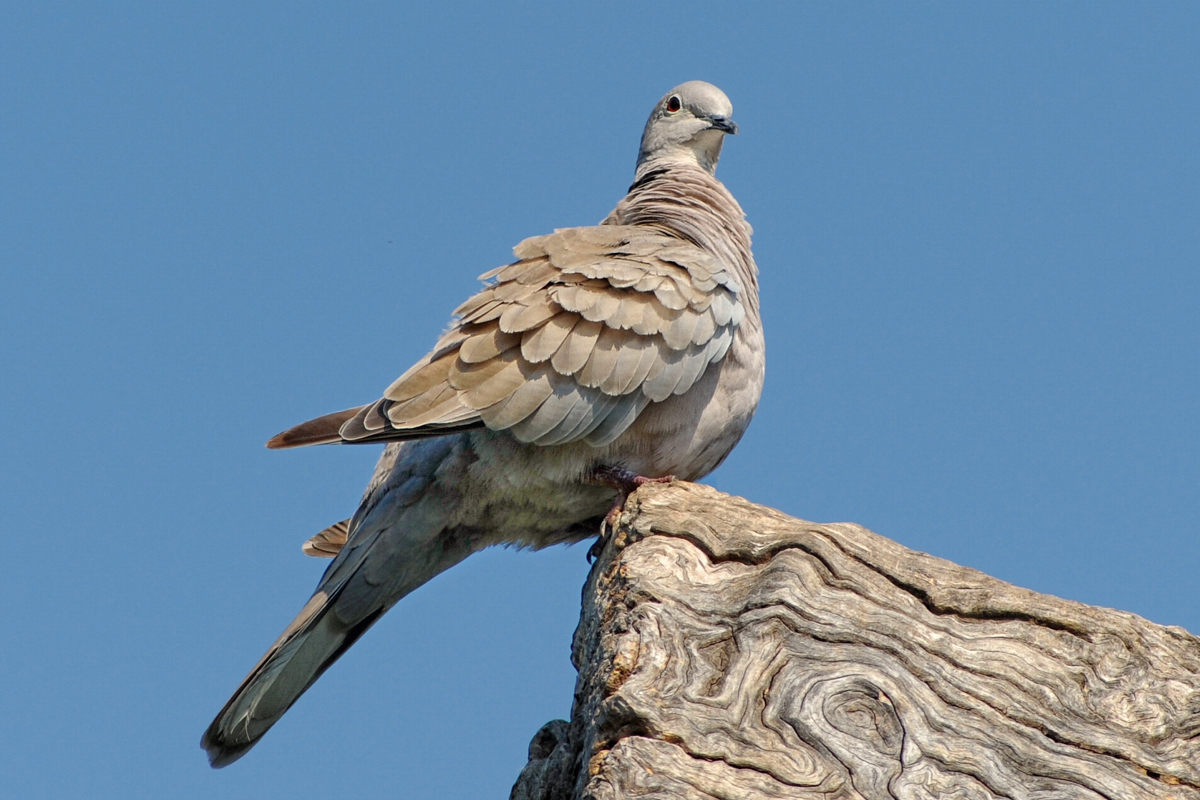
(597, 547)
(608, 526)
(625, 482)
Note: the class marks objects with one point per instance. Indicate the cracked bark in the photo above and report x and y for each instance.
(728, 651)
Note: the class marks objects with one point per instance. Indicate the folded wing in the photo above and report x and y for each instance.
(571, 342)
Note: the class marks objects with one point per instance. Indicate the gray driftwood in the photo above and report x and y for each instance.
(728, 651)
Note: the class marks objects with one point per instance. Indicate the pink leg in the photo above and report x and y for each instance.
(625, 482)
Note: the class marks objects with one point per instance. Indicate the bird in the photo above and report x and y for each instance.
(603, 357)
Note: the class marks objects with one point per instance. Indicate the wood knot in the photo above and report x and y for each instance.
(858, 708)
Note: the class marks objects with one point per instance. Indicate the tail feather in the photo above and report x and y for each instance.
(276, 682)
(286, 671)
(392, 552)
(329, 542)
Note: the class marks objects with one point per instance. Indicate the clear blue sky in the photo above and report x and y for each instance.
(978, 227)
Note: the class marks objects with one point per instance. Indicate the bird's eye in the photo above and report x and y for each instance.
(673, 104)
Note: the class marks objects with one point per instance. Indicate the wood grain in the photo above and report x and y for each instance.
(726, 650)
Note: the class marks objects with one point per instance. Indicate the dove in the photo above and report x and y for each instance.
(601, 358)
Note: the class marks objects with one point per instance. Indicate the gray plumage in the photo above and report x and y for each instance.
(635, 344)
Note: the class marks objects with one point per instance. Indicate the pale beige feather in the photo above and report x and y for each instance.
(538, 272)
(464, 377)
(706, 328)
(603, 358)
(631, 313)
(519, 318)
(498, 385)
(374, 419)
(678, 334)
(655, 316)
(472, 306)
(540, 344)
(485, 312)
(406, 413)
(445, 409)
(421, 377)
(522, 402)
(630, 350)
(486, 344)
(576, 348)
(566, 399)
(513, 292)
(649, 283)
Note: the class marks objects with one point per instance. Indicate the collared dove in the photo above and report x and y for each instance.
(602, 357)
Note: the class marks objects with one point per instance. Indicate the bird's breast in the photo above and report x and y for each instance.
(689, 435)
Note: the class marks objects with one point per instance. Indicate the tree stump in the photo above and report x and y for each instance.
(726, 650)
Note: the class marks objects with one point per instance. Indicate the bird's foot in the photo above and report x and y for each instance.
(626, 483)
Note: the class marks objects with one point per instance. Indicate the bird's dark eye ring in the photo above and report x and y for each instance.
(673, 104)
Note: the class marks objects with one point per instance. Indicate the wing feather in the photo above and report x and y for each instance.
(404, 414)
(705, 330)
(655, 317)
(678, 335)
(487, 312)
(722, 308)
(540, 344)
(573, 353)
(484, 298)
(570, 342)
(464, 377)
(617, 420)
(500, 378)
(649, 360)
(486, 345)
(551, 413)
(665, 375)
(692, 367)
(421, 377)
(525, 400)
(375, 419)
(630, 350)
(519, 318)
(649, 283)
(603, 303)
(603, 358)
(533, 247)
(669, 295)
(630, 313)
(513, 292)
(587, 414)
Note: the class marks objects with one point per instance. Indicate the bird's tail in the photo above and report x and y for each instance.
(309, 645)
(373, 571)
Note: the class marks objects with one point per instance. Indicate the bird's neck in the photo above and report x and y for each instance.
(702, 151)
(686, 201)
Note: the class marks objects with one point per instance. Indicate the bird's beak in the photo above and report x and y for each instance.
(724, 124)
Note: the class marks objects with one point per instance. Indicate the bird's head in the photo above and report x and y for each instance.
(688, 124)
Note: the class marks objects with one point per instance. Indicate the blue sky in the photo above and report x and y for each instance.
(978, 227)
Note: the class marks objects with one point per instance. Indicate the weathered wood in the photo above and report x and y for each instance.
(726, 650)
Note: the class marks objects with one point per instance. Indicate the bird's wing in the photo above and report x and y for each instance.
(569, 343)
